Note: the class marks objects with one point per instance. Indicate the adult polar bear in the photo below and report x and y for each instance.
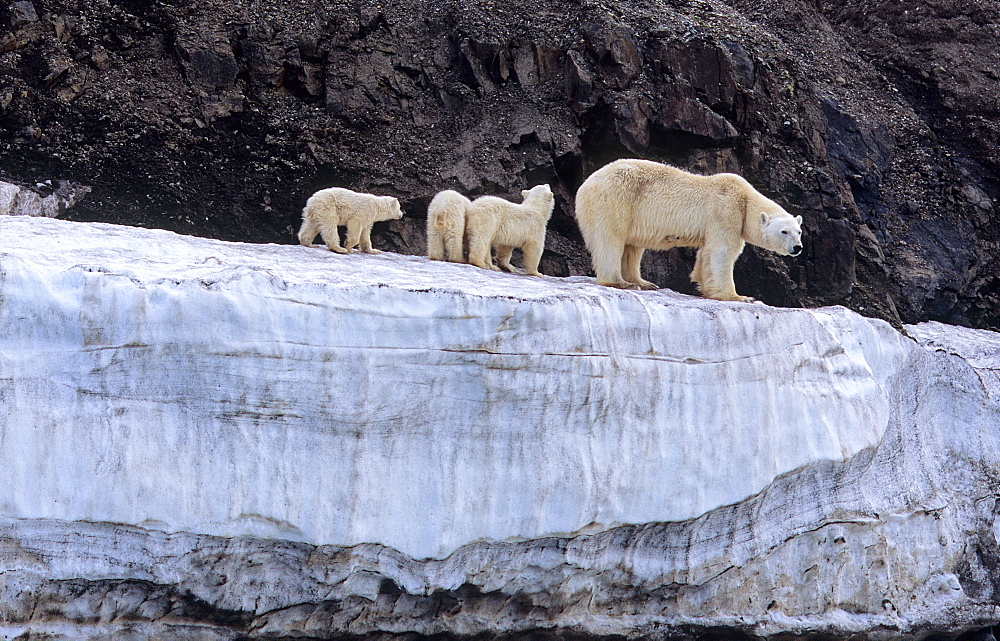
(632, 205)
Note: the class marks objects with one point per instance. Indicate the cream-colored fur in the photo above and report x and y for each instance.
(495, 222)
(446, 226)
(329, 208)
(629, 206)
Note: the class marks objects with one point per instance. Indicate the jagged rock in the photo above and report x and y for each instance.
(579, 85)
(704, 70)
(490, 64)
(860, 154)
(228, 441)
(525, 65)
(833, 241)
(211, 67)
(691, 117)
(632, 122)
(264, 58)
(208, 59)
(22, 12)
(614, 48)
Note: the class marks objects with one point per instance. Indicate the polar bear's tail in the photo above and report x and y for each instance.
(309, 229)
(446, 226)
(441, 216)
(447, 215)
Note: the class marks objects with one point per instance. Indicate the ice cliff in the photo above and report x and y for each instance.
(267, 441)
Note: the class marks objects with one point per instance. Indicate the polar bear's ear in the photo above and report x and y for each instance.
(798, 219)
(764, 219)
(525, 192)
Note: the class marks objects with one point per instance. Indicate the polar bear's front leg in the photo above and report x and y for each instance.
(631, 263)
(717, 272)
(533, 256)
(366, 241)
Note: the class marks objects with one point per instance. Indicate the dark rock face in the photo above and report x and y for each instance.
(877, 122)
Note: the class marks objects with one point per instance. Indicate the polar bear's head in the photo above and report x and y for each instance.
(393, 208)
(539, 191)
(540, 200)
(782, 232)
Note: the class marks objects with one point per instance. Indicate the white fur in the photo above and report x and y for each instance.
(629, 206)
(446, 226)
(329, 208)
(492, 221)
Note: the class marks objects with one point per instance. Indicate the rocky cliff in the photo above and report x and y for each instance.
(214, 440)
(877, 121)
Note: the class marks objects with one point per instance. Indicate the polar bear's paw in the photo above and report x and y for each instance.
(619, 284)
(645, 284)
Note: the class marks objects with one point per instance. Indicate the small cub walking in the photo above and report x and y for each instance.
(495, 222)
(446, 226)
(329, 208)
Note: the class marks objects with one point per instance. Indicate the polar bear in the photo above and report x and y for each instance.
(446, 226)
(329, 208)
(492, 221)
(631, 205)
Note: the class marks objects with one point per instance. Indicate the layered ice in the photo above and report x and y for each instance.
(222, 441)
(187, 384)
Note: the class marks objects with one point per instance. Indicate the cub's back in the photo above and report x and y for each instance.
(491, 206)
(344, 198)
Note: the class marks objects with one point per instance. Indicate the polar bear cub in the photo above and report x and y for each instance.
(495, 222)
(630, 205)
(329, 208)
(446, 226)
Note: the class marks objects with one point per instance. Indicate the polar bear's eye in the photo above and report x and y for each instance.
(784, 231)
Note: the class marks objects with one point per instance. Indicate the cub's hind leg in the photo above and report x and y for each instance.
(308, 232)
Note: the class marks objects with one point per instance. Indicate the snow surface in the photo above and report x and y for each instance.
(195, 385)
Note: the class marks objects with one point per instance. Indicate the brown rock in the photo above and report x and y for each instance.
(615, 52)
(22, 13)
(578, 84)
(688, 116)
(263, 57)
(706, 69)
(208, 59)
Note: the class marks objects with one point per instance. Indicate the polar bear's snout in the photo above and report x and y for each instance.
(785, 232)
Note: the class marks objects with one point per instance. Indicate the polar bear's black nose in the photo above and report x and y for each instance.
(796, 250)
